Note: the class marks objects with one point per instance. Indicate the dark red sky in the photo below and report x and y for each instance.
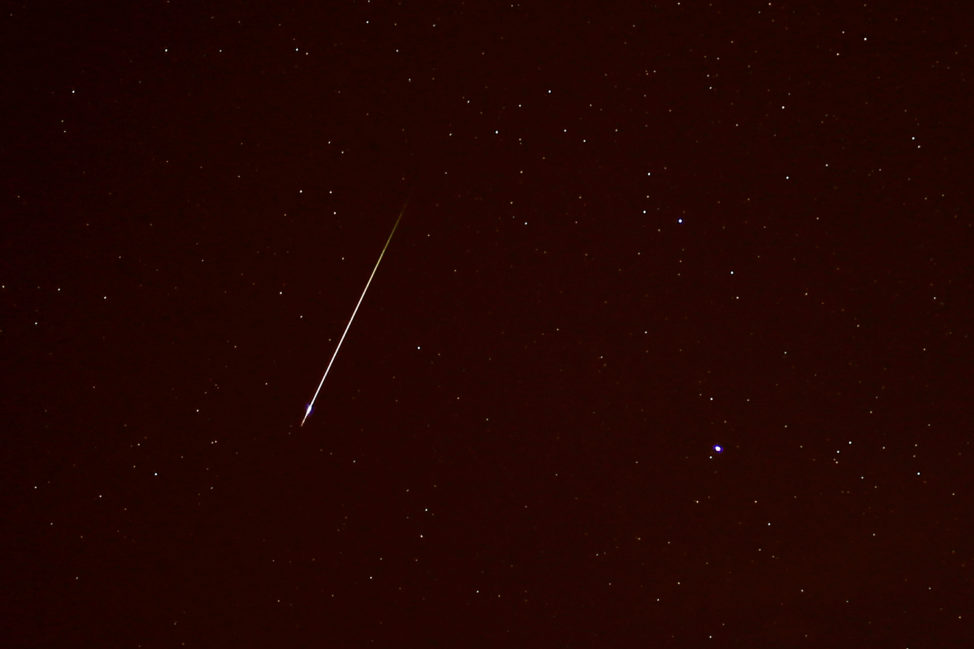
(635, 231)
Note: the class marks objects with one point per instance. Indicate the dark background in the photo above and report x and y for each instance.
(634, 231)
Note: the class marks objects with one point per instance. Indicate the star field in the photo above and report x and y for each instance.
(671, 346)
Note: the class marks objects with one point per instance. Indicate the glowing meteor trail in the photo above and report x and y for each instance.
(311, 403)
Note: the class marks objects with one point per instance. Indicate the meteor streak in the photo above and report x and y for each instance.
(311, 403)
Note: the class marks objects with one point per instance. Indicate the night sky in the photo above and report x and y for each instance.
(671, 347)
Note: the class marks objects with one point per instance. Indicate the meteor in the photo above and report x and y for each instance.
(311, 403)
